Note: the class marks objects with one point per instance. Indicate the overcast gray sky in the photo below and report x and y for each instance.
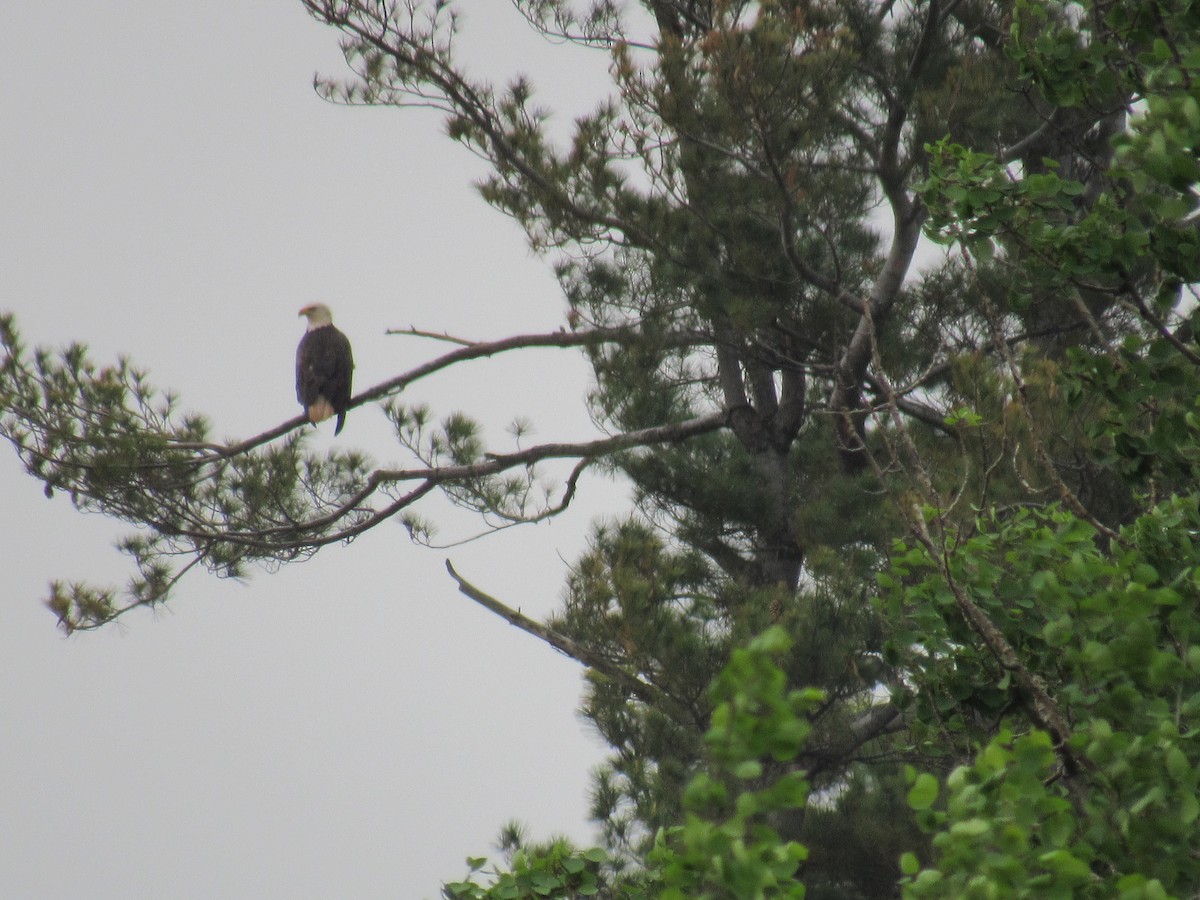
(172, 188)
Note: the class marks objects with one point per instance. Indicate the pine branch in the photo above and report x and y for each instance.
(118, 446)
(428, 478)
(498, 462)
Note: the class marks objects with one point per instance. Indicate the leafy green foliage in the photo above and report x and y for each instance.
(1004, 833)
(1115, 634)
(726, 845)
(1149, 432)
(556, 869)
(1105, 616)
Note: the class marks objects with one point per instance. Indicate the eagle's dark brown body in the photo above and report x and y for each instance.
(324, 369)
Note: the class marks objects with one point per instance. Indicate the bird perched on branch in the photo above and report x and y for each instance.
(324, 367)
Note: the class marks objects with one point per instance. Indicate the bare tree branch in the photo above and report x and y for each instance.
(470, 350)
(645, 691)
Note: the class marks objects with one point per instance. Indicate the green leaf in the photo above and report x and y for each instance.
(971, 828)
(1177, 764)
(923, 792)
(1189, 808)
(1067, 868)
(773, 642)
(573, 865)
(747, 770)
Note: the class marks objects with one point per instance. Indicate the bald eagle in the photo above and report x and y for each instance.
(324, 366)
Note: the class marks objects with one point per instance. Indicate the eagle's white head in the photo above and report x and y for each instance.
(318, 316)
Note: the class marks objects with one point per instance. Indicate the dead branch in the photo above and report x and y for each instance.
(645, 691)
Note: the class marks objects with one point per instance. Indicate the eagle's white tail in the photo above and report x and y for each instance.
(320, 411)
